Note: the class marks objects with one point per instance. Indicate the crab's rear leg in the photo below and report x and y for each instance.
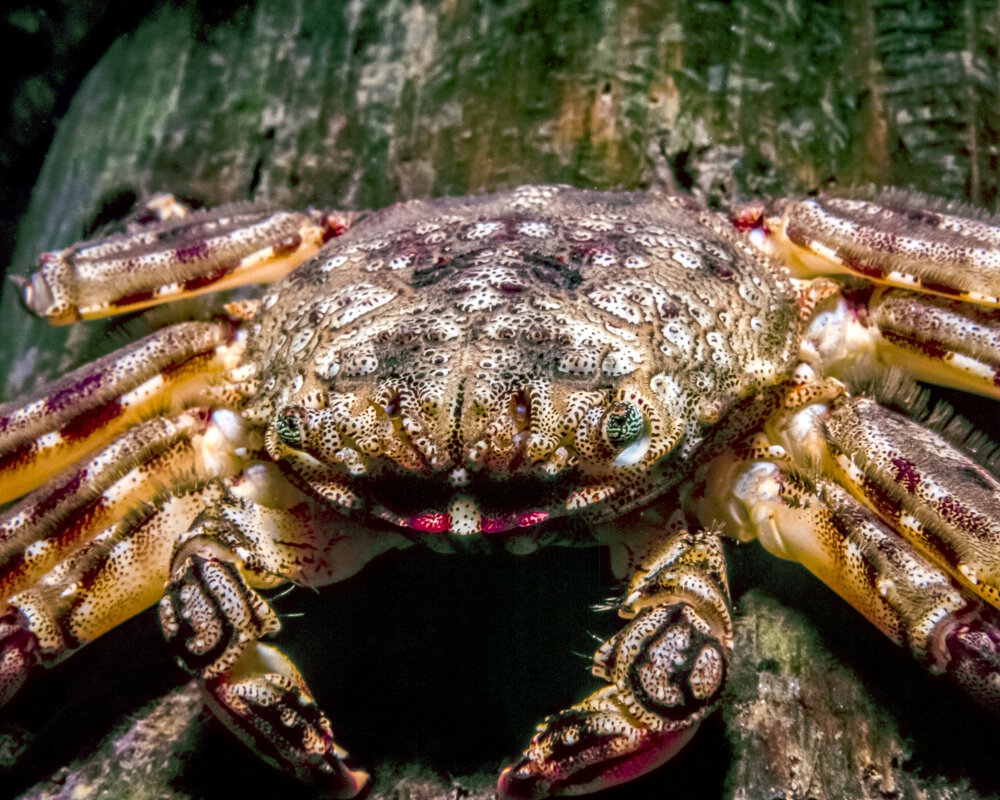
(897, 239)
(99, 492)
(179, 255)
(117, 573)
(214, 620)
(935, 309)
(861, 333)
(665, 671)
(890, 515)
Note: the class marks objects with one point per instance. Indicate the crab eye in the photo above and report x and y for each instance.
(289, 429)
(623, 425)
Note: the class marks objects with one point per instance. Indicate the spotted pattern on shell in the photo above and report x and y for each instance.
(450, 310)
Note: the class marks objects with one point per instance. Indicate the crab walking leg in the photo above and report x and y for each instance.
(904, 594)
(901, 522)
(41, 529)
(213, 619)
(936, 313)
(936, 496)
(45, 433)
(175, 258)
(894, 240)
(93, 547)
(118, 573)
(938, 340)
(934, 339)
(665, 671)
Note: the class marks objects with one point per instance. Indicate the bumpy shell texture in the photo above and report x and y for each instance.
(564, 338)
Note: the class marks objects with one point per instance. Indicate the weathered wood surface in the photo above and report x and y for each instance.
(441, 666)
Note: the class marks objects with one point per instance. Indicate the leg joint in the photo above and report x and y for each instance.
(210, 615)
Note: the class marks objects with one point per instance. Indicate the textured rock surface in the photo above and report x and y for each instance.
(442, 666)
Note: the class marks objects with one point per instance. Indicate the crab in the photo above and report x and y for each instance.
(541, 366)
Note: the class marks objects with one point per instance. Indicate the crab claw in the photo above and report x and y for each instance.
(589, 747)
(666, 670)
(974, 656)
(18, 653)
(265, 702)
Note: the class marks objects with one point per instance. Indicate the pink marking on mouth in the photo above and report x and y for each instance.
(431, 522)
(495, 524)
(532, 518)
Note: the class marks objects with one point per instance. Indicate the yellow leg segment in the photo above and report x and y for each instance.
(898, 536)
(943, 502)
(43, 528)
(163, 373)
(118, 573)
(896, 240)
(93, 547)
(182, 255)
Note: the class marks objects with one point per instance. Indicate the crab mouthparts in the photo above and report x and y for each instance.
(427, 507)
(463, 516)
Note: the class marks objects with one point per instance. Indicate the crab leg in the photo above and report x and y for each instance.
(936, 310)
(213, 619)
(938, 340)
(665, 671)
(894, 241)
(44, 527)
(45, 433)
(180, 256)
(903, 527)
(117, 574)
(93, 548)
(940, 500)
(932, 338)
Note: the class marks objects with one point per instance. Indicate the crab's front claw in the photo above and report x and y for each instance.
(214, 620)
(18, 653)
(266, 703)
(666, 670)
(588, 747)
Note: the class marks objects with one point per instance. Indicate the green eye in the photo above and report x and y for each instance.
(623, 425)
(289, 429)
